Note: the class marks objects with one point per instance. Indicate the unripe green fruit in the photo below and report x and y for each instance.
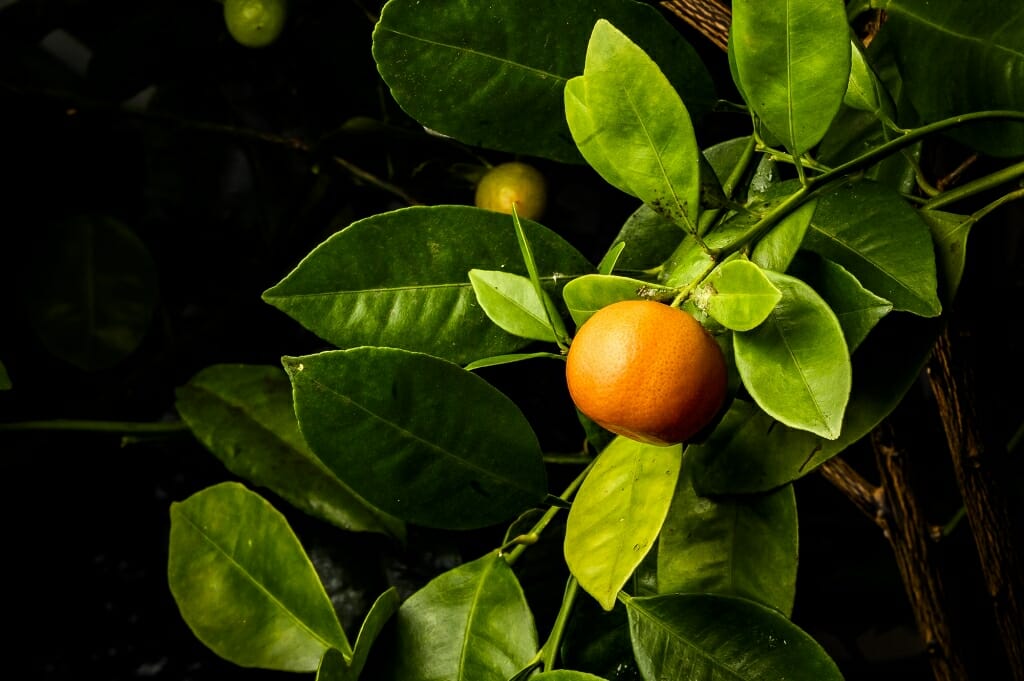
(255, 23)
(513, 183)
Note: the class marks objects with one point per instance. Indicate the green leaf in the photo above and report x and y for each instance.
(90, 289)
(950, 232)
(469, 624)
(383, 608)
(737, 295)
(649, 240)
(722, 638)
(489, 74)
(587, 294)
(511, 302)
(399, 279)
(751, 452)
(960, 57)
(418, 436)
(244, 584)
(796, 364)
(736, 545)
(509, 359)
(793, 63)
(632, 127)
(243, 414)
(617, 514)
(871, 231)
(865, 90)
(687, 264)
(333, 667)
(857, 309)
(565, 675)
(776, 249)
(611, 258)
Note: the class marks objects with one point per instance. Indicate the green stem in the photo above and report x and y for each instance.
(550, 650)
(1007, 174)
(767, 222)
(98, 426)
(512, 556)
(883, 150)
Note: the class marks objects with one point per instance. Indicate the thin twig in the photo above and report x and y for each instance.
(869, 499)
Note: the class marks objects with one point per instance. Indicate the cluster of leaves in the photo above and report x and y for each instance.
(800, 246)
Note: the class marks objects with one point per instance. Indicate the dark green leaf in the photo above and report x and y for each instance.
(737, 295)
(380, 613)
(617, 514)
(418, 436)
(90, 290)
(793, 63)
(5, 379)
(958, 57)
(587, 294)
(751, 452)
(333, 667)
(509, 359)
(469, 624)
(399, 279)
(511, 302)
(865, 90)
(722, 638)
(796, 364)
(871, 231)
(611, 258)
(856, 308)
(649, 239)
(244, 416)
(737, 545)
(565, 675)
(632, 127)
(244, 584)
(491, 74)
(950, 232)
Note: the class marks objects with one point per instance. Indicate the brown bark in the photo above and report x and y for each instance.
(909, 535)
(976, 465)
(710, 17)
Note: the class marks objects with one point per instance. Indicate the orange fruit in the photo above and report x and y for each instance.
(255, 23)
(647, 371)
(513, 183)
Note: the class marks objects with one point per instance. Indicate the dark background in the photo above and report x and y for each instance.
(225, 215)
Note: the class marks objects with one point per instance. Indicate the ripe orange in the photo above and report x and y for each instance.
(647, 371)
(513, 182)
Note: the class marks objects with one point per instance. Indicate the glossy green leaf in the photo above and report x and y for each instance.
(509, 359)
(751, 452)
(380, 614)
(632, 127)
(565, 675)
(958, 57)
(950, 232)
(865, 90)
(725, 156)
(649, 240)
(399, 279)
(490, 75)
(611, 258)
(469, 624)
(418, 436)
(743, 545)
(792, 60)
(776, 249)
(796, 364)
(617, 514)
(587, 294)
(871, 231)
(857, 309)
(687, 264)
(90, 290)
(244, 584)
(243, 414)
(737, 295)
(511, 302)
(722, 638)
(333, 667)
